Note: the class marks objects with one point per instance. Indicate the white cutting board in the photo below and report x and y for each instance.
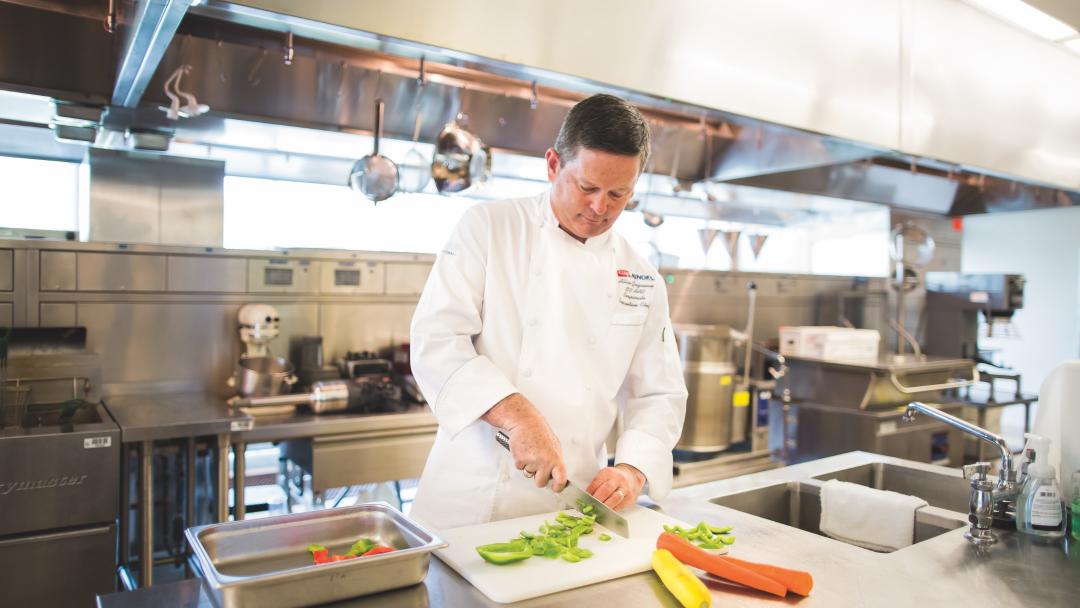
(538, 576)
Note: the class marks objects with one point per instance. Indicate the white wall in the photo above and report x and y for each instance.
(1044, 246)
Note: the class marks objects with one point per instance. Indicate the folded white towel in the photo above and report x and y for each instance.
(874, 519)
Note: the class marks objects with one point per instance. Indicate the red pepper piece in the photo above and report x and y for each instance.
(321, 557)
(377, 549)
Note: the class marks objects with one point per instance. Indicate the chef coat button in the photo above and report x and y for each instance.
(536, 271)
(532, 322)
(609, 294)
(592, 339)
(525, 373)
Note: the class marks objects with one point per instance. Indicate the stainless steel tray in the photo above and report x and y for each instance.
(265, 562)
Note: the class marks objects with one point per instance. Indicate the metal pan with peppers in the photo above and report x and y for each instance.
(364, 547)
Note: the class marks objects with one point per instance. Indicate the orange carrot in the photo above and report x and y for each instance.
(797, 581)
(691, 555)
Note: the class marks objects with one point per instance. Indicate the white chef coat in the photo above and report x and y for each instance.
(515, 304)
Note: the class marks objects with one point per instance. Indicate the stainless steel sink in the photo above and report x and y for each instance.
(798, 504)
(937, 489)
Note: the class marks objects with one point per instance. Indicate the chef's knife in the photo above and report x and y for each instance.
(572, 495)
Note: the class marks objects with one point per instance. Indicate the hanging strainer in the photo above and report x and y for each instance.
(416, 168)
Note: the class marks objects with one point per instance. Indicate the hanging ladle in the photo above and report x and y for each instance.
(375, 175)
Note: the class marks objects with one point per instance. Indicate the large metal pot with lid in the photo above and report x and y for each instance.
(708, 359)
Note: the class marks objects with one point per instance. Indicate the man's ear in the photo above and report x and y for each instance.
(552, 158)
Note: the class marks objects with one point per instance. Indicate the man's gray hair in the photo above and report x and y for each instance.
(606, 123)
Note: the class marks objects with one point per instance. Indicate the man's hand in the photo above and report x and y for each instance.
(533, 445)
(617, 487)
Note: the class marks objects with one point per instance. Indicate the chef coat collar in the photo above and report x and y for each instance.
(546, 217)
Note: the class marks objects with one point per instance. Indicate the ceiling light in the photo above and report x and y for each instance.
(1028, 17)
(1073, 44)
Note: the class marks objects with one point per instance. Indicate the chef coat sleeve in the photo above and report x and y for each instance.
(654, 402)
(459, 384)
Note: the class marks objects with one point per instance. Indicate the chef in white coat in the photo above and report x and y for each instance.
(538, 319)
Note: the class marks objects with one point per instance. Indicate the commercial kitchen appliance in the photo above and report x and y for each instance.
(910, 248)
(726, 427)
(962, 309)
(839, 406)
(258, 373)
(708, 359)
(59, 475)
(957, 304)
(259, 325)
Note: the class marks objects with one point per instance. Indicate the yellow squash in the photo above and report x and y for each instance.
(680, 581)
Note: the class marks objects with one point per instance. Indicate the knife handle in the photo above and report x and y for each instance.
(503, 439)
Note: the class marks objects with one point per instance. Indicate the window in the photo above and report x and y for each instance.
(272, 214)
(38, 194)
(848, 244)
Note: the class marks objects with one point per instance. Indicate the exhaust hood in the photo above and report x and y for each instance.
(266, 72)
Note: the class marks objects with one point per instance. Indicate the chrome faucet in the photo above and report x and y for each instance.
(981, 504)
(1003, 493)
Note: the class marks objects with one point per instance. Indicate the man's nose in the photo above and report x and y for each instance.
(598, 203)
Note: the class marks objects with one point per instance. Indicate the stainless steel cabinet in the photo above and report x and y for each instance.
(281, 275)
(207, 274)
(406, 279)
(66, 568)
(58, 271)
(352, 277)
(120, 272)
(7, 270)
(342, 460)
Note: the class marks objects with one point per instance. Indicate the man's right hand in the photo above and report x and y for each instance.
(533, 445)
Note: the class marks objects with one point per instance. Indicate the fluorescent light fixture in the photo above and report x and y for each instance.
(1073, 44)
(1028, 17)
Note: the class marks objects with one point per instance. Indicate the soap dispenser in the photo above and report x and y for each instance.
(1039, 507)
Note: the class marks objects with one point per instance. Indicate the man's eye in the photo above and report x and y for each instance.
(588, 190)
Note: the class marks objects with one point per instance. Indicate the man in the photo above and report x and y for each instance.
(539, 320)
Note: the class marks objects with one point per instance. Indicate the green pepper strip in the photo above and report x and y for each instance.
(361, 547)
(505, 553)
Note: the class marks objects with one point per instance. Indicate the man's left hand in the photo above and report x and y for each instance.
(617, 487)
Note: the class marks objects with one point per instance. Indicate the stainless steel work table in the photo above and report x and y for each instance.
(146, 418)
(943, 571)
(305, 425)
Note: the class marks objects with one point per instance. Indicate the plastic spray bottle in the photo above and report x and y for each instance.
(1040, 510)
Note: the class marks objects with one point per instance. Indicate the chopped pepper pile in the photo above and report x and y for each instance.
(704, 535)
(554, 541)
(362, 548)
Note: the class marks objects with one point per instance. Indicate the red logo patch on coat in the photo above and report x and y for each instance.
(622, 272)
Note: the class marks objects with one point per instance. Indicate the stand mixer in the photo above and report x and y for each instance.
(259, 325)
(259, 373)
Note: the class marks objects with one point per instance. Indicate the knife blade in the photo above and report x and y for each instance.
(571, 495)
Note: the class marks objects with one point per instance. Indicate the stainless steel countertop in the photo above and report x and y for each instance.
(943, 571)
(890, 363)
(154, 416)
(302, 424)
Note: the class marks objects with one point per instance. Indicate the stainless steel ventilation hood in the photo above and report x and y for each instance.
(155, 199)
(335, 73)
